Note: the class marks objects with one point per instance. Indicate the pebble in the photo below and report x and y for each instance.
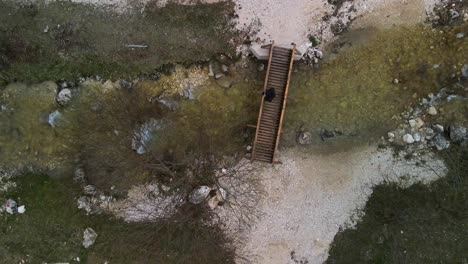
(417, 137)
(261, 67)
(419, 123)
(439, 128)
(460, 35)
(412, 123)
(391, 135)
(432, 111)
(408, 139)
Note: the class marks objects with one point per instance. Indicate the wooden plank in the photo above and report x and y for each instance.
(263, 99)
(284, 102)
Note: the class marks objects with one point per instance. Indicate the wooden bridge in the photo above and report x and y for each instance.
(270, 117)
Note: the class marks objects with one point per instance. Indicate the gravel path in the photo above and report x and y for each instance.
(310, 197)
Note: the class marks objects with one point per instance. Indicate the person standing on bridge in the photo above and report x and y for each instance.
(270, 94)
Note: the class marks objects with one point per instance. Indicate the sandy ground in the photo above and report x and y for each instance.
(309, 197)
(292, 21)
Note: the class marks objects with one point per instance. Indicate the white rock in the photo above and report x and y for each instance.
(319, 54)
(419, 123)
(439, 128)
(417, 137)
(432, 111)
(224, 68)
(408, 139)
(249, 148)
(391, 135)
(412, 123)
(64, 97)
(54, 118)
(89, 237)
(199, 194)
(11, 206)
(21, 209)
(90, 189)
(222, 194)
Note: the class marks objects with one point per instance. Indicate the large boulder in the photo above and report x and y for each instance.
(457, 133)
(198, 195)
(64, 97)
(89, 237)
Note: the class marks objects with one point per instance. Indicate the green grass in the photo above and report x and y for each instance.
(83, 40)
(51, 230)
(421, 224)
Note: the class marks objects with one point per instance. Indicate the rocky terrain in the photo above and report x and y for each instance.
(138, 114)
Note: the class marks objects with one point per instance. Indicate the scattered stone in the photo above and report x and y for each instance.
(460, 35)
(90, 190)
(199, 194)
(21, 209)
(213, 202)
(89, 237)
(64, 97)
(165, 188)
(432, 111)
(224, 68)
(417, 137)
(219, 76)
(439, 128)
(261, 67)
(391, 135)
(396, 81)
(210, 70)
(464, 70)
(11, 206)
(419, 123)
(305, 138)
(79, 176)
(319, 54)
(54, 118)
(46, 29)
(249, 148)
(412, 123)
(429, 132)
(440, 142)
(168, 103)
(408, 139)
(85, 204)
(454, 14)
(221, 193)
(457, 133)
(324, 133)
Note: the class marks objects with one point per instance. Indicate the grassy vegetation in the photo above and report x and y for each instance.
(52, 228)
(421, 224)
(356, 93)
(82, 40)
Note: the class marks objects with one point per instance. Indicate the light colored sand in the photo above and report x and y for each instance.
(310, 197)
(293, 20)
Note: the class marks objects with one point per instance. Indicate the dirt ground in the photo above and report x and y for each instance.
(310, 197)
